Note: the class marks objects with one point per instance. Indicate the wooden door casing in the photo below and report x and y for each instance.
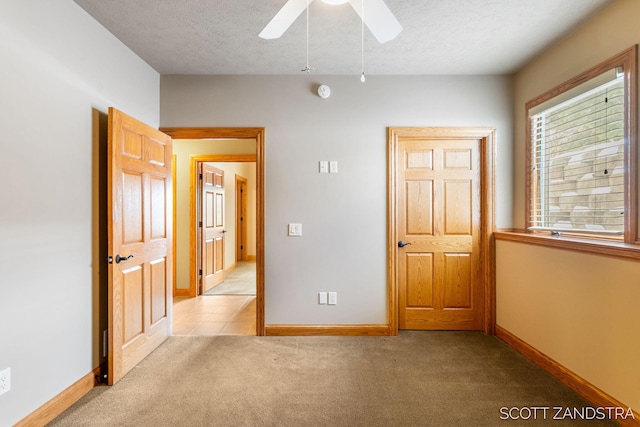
(258, 134)
(140, 231)
(441, 201)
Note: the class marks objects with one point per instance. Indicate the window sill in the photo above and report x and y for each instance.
(579, 244)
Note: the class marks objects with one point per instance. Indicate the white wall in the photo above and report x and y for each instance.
(343, 247)
(57, 65)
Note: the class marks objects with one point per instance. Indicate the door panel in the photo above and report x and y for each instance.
(212, 237)
(458, 281)
(132, 208)
(420, 280)
(158, 217)
(158, 290)
(438, 215)
(132, 303)
(457, 207)
(139, 231)
(420, 210)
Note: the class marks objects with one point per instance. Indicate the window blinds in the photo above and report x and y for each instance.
(577, 154)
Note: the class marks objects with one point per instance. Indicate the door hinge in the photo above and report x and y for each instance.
(200, 272)
(200, 176)
(241, 219)
(241, 247)
(200, 224)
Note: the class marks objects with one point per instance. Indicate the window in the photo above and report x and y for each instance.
(581, 163)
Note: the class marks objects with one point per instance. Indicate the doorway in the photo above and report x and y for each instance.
(188, 287)
(226, 227)
(441, 221)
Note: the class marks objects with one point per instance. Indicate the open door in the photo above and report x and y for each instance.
(211, 226)
(140, 241)
(241, 221)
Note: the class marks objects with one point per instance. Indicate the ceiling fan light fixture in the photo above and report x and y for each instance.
(335, 2)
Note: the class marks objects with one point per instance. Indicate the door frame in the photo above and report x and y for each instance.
(487, 139)
(195, 195)
(205, 133)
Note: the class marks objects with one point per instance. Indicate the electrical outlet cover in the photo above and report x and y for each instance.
(333, 166)
(333, 298)
(5, 380)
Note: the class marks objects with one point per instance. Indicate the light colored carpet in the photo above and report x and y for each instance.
(416, 379)
(239, 281)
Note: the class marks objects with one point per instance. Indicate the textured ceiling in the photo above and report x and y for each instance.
(438, 36)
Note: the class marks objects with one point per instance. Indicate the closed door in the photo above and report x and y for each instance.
(212, 228)
(438, 229)
(139, 234)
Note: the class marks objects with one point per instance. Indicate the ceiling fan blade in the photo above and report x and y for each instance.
(284, 18)
(378, 18)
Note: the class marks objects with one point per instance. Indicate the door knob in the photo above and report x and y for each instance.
(402, 244)
(119, 258)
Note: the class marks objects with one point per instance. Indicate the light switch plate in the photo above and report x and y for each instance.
(322, 297)
(323, 166)
(333, 166)
(295, 229)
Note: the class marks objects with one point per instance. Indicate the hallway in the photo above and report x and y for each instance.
(214, 315)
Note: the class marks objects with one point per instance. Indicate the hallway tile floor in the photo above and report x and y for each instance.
(214, 315)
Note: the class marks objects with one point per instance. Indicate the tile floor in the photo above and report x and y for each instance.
(214, 315)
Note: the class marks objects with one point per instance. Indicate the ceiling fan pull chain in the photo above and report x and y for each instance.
(362, 78)
(307, 68)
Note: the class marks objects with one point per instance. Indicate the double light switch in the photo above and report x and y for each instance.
(326, 166)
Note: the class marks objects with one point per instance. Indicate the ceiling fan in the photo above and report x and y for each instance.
(377, 17)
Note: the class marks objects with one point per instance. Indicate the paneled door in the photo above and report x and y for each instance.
(140, 258)
(212, 226)
(438, 230)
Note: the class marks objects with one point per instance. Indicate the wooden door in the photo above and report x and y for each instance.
(212, 228)
(140, 233)
(241, 219)
(438, 229)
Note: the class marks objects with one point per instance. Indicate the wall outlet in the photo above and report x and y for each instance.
(322, 297)
(333, 298)
(333, 166)
(5, 381)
